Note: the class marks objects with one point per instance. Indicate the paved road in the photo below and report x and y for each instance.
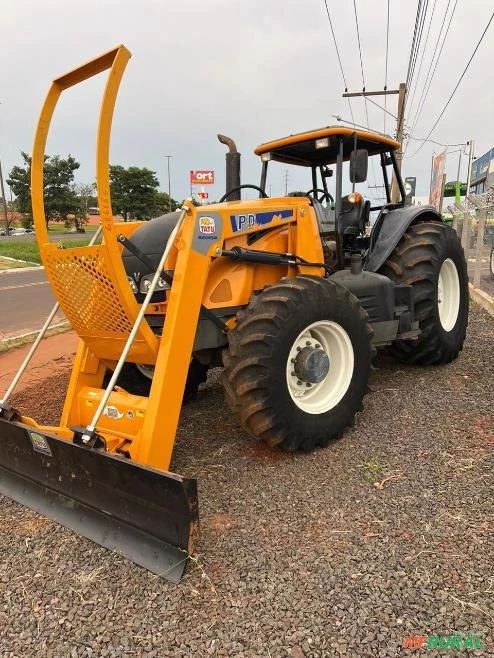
(25, 301)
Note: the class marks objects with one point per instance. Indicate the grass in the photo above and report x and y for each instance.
(28, 250)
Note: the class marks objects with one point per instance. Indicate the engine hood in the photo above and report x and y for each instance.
(151, 239)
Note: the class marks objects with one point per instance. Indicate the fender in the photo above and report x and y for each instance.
(391, 226)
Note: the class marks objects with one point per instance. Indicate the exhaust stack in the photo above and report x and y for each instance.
(232, 167)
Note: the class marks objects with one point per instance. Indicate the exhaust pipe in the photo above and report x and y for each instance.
(232, 167)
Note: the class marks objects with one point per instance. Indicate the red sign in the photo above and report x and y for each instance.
(202, 177)
(202, 195)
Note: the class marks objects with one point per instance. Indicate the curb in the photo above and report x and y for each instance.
(32, 266)
(17, 341)
(482, 299)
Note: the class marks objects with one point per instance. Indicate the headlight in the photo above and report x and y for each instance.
(146, 281)
(133, 285)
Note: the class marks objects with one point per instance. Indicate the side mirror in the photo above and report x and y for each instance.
(359, 159)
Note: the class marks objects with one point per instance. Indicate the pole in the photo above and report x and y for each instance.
(458, 182)
(4, 201)
(470, 160)
(169, 184)
(400, 121)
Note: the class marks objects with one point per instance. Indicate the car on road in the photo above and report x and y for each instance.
(22, 231)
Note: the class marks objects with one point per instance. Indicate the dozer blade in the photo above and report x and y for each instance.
(148, 516)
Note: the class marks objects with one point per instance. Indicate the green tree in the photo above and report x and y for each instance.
(133, 192)
(58, 188)
(164, 204)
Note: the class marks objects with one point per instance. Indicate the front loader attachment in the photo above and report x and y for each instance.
(148, 516)
(103, 470)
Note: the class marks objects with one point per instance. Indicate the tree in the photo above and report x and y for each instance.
(164, 204)
(133, 192)
(85, 199)
(58, 189)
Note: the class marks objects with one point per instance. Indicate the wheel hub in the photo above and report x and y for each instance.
(311, 365)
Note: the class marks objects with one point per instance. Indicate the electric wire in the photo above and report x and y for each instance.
(423, 15)
(430, 76)
(457, 85)
(415, 85)
(339, 57)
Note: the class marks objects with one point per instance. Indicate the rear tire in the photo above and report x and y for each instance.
(297, 364)
(430, 258)
(491, 262)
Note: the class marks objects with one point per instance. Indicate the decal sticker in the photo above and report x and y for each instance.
(207, 225)
(251, 220)
(40, 444)
(113, 412)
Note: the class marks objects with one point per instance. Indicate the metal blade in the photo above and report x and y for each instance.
(146, 515)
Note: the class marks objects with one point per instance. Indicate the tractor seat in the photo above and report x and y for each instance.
(325, 217)
(354, 216)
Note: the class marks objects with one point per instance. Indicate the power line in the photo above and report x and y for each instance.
(457, 84)
(338, 55)
(422, 58)
(359, 47)
(414, 41)
(427, 85)
(419, 40)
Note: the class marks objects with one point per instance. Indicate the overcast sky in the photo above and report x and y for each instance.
(254, 70)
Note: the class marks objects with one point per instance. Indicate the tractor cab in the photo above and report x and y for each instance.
(324, 152)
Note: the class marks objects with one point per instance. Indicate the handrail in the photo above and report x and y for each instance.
(115, 60)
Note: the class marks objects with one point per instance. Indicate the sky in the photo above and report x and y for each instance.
(255, 70)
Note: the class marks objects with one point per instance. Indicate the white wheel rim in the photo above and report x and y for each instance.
(325, 395)
(448, 294)
(492, 261)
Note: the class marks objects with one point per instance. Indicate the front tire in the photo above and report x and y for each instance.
(136, 379)
(491, 262)
(297, 364)
(430, 258)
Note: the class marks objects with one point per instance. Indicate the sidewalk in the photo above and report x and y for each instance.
(53, 356)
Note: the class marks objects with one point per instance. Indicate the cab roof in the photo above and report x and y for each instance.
(300, 149)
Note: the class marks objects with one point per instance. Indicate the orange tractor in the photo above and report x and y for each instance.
(290, 295)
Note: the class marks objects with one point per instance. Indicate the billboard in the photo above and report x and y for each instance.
(437, 182)
(202, 177)
(482, 166)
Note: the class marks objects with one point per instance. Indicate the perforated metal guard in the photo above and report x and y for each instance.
(84, 282)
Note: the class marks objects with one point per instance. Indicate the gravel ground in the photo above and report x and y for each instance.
(344, 552)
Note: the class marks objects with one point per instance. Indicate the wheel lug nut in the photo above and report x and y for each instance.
(307, 342)
(308, 385)
(318, 347)
(299, 383)
(293, 373)
(299, 349)
(292, 360)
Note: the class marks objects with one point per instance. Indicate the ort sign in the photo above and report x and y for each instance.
(202, 177)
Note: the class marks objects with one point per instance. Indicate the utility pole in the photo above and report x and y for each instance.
(4, 201)
(169, 185)
(400, 121)
(286, 182)
(470, 160)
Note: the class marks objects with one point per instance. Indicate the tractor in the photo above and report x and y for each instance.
(291, 296)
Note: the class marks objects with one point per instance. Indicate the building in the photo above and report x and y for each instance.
(482, 178)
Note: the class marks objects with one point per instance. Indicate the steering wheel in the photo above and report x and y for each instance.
(243, 187)
(325, 196)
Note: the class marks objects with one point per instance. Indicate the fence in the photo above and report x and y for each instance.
(473, 220)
